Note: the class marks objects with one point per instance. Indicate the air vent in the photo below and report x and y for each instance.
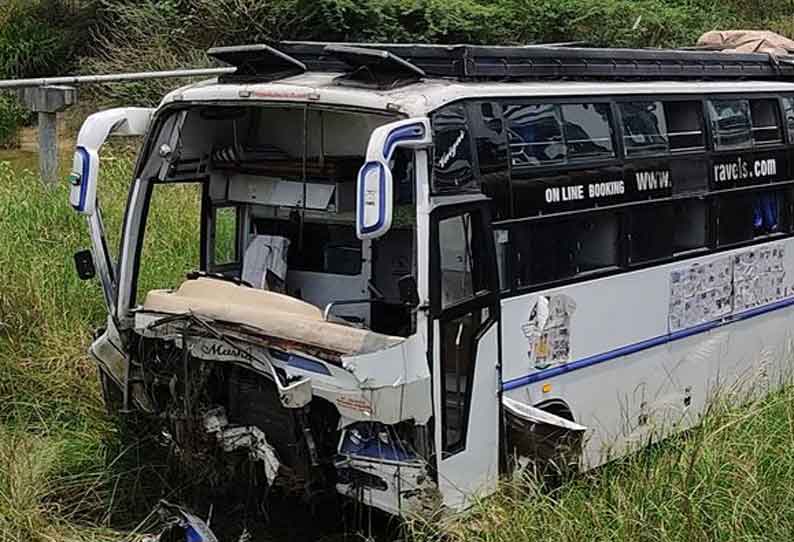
(256, 63)
(374, 67)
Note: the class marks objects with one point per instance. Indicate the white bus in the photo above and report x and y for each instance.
(422, 267)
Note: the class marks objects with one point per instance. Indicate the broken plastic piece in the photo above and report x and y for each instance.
(536, 415)
(248, 437)
(182, 525)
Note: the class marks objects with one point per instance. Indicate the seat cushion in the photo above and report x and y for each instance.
(276, 315)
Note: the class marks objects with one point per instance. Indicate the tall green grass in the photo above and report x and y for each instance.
(730, 479)
(67, 474)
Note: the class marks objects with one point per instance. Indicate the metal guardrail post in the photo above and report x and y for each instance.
(47, 102)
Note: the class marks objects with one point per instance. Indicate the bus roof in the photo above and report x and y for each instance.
(428, 94)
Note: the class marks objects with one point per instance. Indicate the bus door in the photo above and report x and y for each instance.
(464, 332)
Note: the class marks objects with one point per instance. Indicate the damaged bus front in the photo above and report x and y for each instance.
(292, 344)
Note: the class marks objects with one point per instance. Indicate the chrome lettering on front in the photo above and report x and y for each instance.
(216, 350)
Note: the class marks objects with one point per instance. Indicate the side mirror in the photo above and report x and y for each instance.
(409, 293)
(375, 190)
(84, 264)
(83, 179)
(131, 121)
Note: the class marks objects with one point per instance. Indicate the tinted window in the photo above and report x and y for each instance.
(684, 125)
(535, 133)
(768, 213)
(452, 160)
(460, 258)
(766, 122)
(553, 250)
(540, 258)
(549, 134)
(730, 124)
(459, 355)
(490, 140)
(644, 128)
(403, 176)
(651, 232)
(788, 111)
(736, 216)
(747, 215)
(587, 131)
(691, 225)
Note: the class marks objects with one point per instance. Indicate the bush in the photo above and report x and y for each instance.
(37, 38)
(166, 34)
(42, 37)
(152, 35)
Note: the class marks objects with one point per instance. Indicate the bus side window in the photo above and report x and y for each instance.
(651, 233)
(769, 213)
(691, 222)
(766, 122)
(549, 134)
(535, 134)
(552, 250)
(588, 131)
(735, 218)
(788, 111)
(453, 170)
(644, 128)
(490, 142)
(752, 215)
(731, 126)
(684, 121)
(461, 274)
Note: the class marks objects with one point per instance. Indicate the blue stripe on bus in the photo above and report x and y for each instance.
(642, 345)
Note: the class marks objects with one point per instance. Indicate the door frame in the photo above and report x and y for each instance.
(437, 315)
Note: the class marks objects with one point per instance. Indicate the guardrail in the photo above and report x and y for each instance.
(48, 96)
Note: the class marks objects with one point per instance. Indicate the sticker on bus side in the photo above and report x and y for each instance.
(701, 293)
(547, 330)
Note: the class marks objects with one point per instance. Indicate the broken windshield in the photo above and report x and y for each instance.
(278, 204)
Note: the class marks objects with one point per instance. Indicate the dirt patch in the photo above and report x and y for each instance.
(29, 137)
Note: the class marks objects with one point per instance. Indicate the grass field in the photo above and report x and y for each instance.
(66, 475)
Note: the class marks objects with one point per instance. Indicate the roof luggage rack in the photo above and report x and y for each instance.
(388, 64)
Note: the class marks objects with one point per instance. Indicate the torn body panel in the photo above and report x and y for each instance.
(290, 406)
(305, 340)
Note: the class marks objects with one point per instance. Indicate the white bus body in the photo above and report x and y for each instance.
(590, 265)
